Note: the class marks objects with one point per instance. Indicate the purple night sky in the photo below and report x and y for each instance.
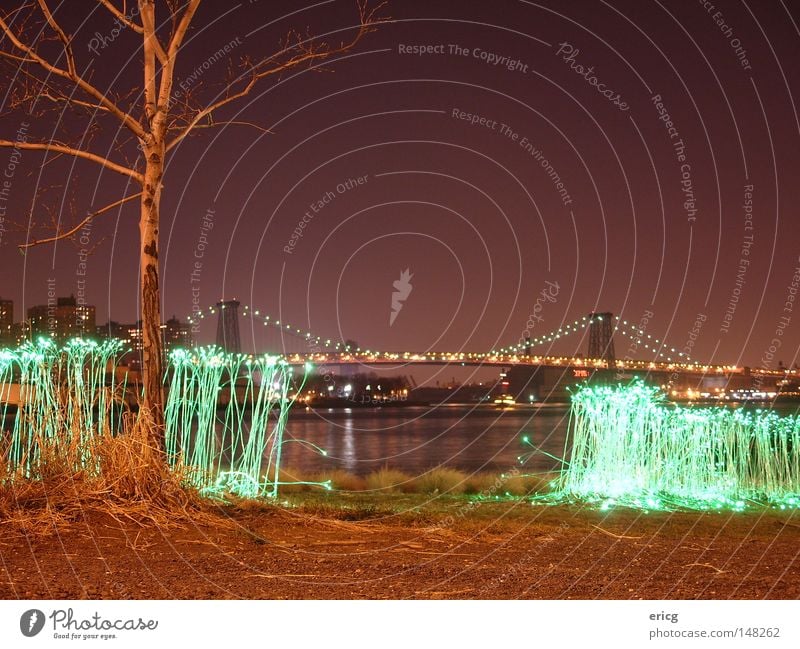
(649, 220)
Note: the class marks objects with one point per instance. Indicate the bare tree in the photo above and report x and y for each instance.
(42, 69)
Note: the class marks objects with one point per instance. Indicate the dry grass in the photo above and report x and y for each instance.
(441, 480)
(127, 478)
(512, 484)
(524, 485)
(342, 480)
(339, 480)
(389, 481)
(479, 483)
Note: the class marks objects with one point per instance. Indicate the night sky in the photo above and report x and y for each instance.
(649, 220)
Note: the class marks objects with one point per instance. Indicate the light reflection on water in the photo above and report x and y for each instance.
(416, 439)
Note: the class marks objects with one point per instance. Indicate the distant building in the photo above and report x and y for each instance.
(20, 333)
(6, 323)
(129, 334)
(62, 319)
(177, 334)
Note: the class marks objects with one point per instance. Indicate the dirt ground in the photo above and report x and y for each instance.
(409, 547)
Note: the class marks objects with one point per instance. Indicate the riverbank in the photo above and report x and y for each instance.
(406, 546)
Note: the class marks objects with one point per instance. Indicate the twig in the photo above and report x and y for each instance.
(444, 592)
(704, 565)
(616, 536)
(292, 575)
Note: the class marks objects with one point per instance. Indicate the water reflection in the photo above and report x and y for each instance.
(416, 439)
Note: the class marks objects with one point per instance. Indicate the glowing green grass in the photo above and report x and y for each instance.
(225, 418)
(628, 446)
(63, 398)
(225, 414)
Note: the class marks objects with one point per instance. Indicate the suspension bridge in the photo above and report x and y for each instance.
(523, 365)
(298, 344)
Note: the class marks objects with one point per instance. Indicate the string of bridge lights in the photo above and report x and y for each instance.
(578, 325)
(296, 332)
(639, 335)
(623, 327)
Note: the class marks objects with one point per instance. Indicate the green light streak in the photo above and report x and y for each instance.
(64, 399)
(225, 414)
(225, 418)
(628, 447)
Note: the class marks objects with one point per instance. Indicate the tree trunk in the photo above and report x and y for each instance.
(152, 341)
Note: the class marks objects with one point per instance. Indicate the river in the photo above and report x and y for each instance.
(412, 439)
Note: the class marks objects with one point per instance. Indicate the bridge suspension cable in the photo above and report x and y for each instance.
(638, 335)
(561, 332)
(623, 327)
(311, 340)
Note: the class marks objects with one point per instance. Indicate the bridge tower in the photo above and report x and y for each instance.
(601, 337)
(228, 326)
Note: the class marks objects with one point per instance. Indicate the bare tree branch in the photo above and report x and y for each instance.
(233, 122)
(31, 56)
(66, 42)
(272, 65)
(73, 231)
(45, 94)
(175, 42)
(78, 153)
(119, 15)
(149, 31)
(147, 8)
(183, 26)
